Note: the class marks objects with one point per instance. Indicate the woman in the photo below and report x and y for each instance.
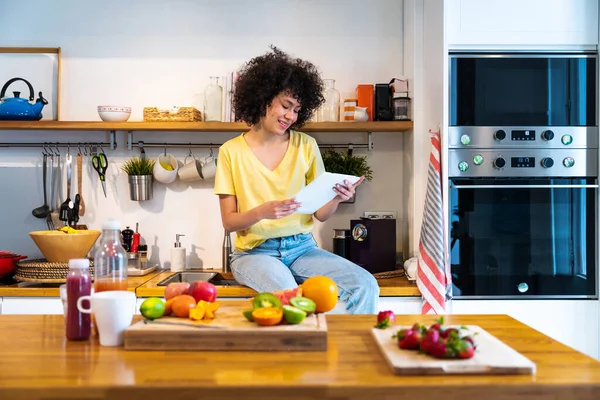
(260, 171)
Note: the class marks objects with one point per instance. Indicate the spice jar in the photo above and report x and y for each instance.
(349, 109)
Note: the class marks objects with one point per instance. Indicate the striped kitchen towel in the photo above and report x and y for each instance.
(433, 273)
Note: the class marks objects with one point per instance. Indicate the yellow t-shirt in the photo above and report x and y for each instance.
(240, 173)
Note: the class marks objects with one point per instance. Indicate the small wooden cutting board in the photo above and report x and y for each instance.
(492, 357)
(230, 330)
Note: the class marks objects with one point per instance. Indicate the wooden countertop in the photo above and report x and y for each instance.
(146, 286)
(31, 289)
(399, 286)
(39, 363)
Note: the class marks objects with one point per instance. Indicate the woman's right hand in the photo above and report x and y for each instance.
(278, 208)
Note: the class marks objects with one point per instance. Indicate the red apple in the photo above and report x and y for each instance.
(176, 289)
(202, 290)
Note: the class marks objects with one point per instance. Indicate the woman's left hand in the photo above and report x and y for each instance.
(347, 190)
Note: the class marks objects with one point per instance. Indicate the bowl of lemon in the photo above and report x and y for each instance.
(165, 168)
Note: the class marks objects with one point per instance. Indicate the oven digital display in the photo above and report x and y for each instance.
(522, 162)
(522, 135)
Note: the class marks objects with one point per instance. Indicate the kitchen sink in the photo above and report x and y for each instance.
(215, 278)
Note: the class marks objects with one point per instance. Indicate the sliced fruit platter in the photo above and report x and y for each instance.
(418, 349)
(287, 320)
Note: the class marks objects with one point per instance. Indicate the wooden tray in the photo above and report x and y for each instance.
(492, 357)
(228, 331)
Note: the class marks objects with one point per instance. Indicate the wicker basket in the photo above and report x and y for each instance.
(40, 270)
(181, 114)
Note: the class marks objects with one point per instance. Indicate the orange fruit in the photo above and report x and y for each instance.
(182, 305)
(168, 306)
(267, 316)
(323, 291)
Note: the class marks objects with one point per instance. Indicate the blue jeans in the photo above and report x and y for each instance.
(283, 263)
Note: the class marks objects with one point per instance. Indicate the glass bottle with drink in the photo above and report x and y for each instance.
(110, 260)
(79, 283)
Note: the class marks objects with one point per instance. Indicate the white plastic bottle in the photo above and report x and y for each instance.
(178, 255)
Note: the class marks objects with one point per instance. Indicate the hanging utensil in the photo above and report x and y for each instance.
(79, 192)
(64, 207)
(100, 164)
(43, 210)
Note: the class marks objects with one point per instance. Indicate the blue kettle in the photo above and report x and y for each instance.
(19, 109)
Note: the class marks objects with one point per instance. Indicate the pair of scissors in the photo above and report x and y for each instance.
(100, 164)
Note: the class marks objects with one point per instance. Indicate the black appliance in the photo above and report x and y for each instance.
(383, 102)
(373, 244)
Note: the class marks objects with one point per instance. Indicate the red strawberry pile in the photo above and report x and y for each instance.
(438, 340)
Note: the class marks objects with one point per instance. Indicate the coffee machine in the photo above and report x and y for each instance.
(373, 244)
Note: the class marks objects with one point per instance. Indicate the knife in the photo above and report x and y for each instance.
(154, 322)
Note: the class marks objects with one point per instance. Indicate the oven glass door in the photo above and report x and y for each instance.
(519, 90)
(523, 237)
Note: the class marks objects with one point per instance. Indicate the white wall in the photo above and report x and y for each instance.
(156, 53)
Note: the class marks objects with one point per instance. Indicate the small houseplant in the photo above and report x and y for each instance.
(347, 163)
(139, 171)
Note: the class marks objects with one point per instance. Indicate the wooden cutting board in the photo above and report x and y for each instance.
(230, 330)
(491, 357)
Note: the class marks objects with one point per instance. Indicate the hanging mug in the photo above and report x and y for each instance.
(191, 170)
(166, 168)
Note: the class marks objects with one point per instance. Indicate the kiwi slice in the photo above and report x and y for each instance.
(266, 300)
(248, 314)
(303, 303)
(293, 315)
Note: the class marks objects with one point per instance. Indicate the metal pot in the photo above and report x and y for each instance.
(8, 262)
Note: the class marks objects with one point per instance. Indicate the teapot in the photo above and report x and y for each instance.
(18, 108)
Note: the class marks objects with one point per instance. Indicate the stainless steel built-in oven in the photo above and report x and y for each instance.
(523, 89)
(523, 175)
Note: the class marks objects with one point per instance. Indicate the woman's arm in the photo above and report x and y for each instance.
(343, 193)
(234, 221)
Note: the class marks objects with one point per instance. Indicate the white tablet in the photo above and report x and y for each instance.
(320, 191)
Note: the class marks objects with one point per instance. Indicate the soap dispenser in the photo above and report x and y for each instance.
(178, 255)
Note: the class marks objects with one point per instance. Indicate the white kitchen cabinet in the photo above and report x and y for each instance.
(31, 305)
(518, 23)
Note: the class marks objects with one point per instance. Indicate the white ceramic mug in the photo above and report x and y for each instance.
(191, 171)
(113, 311)
(209, 168)
(162, 175)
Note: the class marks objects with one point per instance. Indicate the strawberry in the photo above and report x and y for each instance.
(465, 350)
(440, 349)
(418, 327)
(385, 319)
(439, 323)
(449, 332)
(431, 336)
(469, 339)
(411, 340)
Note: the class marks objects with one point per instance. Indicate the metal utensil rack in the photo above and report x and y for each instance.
(188, 145)
(86, 146)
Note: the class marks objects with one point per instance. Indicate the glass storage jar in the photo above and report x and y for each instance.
(213, 101)
(330, 110)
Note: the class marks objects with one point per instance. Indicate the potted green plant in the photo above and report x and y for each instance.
(139, 171)
(347, 163)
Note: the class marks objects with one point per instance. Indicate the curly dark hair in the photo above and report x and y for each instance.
(264, 77)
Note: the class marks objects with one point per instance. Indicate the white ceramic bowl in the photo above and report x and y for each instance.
(114, 113)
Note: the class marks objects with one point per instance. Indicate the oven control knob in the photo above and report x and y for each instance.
(547, 135)
(568, 162)
(499, 163)
(547, 162)
(500, 135)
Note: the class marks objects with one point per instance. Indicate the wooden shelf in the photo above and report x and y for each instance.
(377, 126)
